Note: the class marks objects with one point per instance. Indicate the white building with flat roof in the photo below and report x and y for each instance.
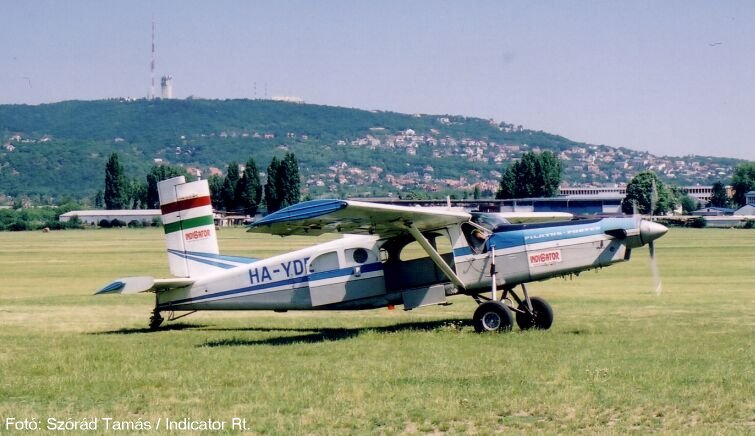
(146, 216)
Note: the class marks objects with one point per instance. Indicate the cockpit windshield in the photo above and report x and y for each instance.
(490, 221)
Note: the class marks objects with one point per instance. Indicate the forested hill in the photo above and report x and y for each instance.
(60, 149)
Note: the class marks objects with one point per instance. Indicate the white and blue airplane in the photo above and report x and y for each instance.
(388, 256)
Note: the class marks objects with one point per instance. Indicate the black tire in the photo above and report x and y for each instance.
(155, 320)
(492, 316)
(542, 319)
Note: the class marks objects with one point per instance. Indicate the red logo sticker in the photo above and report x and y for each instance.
(545, 258)
(197, 234)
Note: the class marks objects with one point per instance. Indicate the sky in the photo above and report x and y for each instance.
(669, 77)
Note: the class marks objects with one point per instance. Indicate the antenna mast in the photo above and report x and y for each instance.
(152, 64)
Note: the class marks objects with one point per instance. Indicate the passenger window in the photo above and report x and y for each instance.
(324, 262)
(358, 255)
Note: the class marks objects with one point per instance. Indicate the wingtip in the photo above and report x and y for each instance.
(116, 286)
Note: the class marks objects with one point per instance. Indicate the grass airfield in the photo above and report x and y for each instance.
(618, 358)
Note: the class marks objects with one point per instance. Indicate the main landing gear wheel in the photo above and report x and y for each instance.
(492, 316)
(541, 317)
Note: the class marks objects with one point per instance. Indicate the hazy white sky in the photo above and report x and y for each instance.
(669, 77)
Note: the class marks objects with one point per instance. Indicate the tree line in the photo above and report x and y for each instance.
(647, 194)
(236, 192)
(241, 191)
(539, 175)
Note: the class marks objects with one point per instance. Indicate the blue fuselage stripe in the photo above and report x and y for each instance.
(342, 272)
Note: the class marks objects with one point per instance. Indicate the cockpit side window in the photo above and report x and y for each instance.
(475, 237)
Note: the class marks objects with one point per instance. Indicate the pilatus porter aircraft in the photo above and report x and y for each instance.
(388, 256)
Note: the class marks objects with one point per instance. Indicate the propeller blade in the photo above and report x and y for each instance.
(654, 269)
(653, 200)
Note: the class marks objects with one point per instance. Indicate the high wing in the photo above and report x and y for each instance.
(354, 217)
(535, 217)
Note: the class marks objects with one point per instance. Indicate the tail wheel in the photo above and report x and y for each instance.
(492, 316)
(541, 317)
(155, 320)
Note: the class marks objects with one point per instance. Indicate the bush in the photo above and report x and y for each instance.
(749, 224)
(698, 222)
(18, 226)
(105, 224)
(135, 224)
(55, 225)
(115, 222)
(73, 223)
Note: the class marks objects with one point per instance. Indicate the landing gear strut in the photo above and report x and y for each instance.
(494, 315)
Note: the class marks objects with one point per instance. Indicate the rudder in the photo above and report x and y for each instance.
(189, 226)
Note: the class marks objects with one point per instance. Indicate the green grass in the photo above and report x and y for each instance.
(619, 358)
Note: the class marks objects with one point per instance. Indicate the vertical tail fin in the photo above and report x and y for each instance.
(189, 226)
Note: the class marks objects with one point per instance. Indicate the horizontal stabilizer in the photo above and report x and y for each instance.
(135, 285)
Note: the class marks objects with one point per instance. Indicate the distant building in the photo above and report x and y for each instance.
(750, 198)
(605, 204)
(713, 211)
(747, 210)
(288, 99)
(703, 193)
(166, 87)
(146, 216)
(592, 190)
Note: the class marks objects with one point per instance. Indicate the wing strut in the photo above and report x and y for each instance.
(439, 262)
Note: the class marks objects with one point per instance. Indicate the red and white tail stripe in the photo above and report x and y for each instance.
(189, 225)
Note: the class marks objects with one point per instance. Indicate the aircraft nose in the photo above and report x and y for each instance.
(650, 231)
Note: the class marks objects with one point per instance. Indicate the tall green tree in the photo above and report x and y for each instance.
(534, 175)
(98, 201)
(283, 187)
(156, 174)
(689, 204)
(137, 194)
(647, 189)
(228, 193)
(507, 186)
(718, 196)
(215, 182)
(290, 192)
(743, 181)
(116, 185)
(249, 188)
(272, 200)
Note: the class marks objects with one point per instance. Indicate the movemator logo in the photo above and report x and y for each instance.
(545, 258)
(197, 234)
